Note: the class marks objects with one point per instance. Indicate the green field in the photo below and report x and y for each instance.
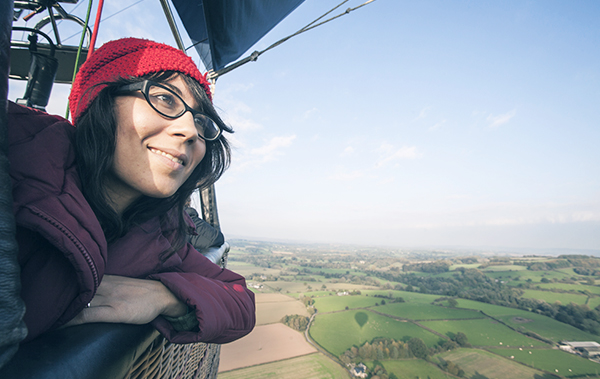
(482, 364)
(465, 265)
(551, 297)
(552, 360)
(504, 268)
(337, 332)
(307, 366)
(412, 368)
(338, 303)
(420, 311)
(542, 325)
(483, 332)
(536, 276)
(570, 287)
(593, 302)
(409, 297)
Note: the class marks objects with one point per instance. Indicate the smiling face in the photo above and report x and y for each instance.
(154, 155)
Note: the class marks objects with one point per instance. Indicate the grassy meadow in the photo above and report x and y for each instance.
(337, 332)
(412, 368)
(337, 303)
(482, 364)
(552, 297)
(307, 366)
(552, 360)
(423, 312)
(484, 332)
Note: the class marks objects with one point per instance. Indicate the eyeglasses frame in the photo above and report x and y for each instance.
(143, 87)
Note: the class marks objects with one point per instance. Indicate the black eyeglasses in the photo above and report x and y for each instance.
(169, 104)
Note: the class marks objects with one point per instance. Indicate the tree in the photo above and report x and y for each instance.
(452, 303)
(461, 339)
(417, 347)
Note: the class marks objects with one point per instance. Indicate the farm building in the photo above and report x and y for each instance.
(359, 371)
(586, 348)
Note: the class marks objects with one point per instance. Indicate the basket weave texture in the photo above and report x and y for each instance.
(165, 360)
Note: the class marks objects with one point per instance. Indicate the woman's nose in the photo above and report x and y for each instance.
(184, 127)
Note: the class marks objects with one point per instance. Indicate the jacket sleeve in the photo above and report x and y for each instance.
(223, 305)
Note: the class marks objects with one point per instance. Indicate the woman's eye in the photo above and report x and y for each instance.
(166, 99)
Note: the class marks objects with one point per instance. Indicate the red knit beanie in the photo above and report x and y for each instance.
(127, 58)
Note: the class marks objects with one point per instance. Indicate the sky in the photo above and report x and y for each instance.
(410, 124)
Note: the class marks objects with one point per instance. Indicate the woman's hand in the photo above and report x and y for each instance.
(131, 301)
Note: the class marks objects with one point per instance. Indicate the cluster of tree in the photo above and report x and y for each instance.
(465, 283)
(297, 322)
(452, 302)
(544, 265)
(460, 338)
(386, 348)
(258, 277)
(357, 279)
(587, 271)
(308, 301)
(468, 260)
(391, 299)
(328, 264)
(581, 260)
(562, 261)
(451, 368)
(378, 349)
(498, 261)
(580, 316)
(433, 267)
(379, 372)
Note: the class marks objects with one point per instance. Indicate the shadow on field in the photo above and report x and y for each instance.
(361, 318)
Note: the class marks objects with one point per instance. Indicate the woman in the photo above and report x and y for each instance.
(100, 206)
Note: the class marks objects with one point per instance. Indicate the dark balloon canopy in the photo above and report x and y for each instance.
(223, 30)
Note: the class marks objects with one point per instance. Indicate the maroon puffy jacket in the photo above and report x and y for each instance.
(63, 253)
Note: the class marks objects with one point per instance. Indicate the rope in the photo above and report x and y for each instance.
(87, 20)
(254, 56)
(96, 26)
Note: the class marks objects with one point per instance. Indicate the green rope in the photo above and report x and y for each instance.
(85, 26)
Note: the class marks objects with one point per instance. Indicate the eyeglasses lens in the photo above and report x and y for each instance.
(171, 105)
(206, 127)
(165, 101)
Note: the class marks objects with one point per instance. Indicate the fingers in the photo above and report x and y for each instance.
(131, 301)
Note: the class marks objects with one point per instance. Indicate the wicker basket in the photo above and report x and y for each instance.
(164, 360)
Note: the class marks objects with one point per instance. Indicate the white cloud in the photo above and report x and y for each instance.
(253, 158)
(347, 151)
(237, 113)
(390, 154)
(309, 113)
(422, 114)
(272, 148)
(495, 121)
(437, 126)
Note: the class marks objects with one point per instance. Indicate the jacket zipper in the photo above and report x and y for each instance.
(77, 244)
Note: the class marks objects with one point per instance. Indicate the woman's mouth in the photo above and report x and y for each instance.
(167, 155)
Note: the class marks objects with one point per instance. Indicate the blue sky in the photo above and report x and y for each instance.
(410, 124)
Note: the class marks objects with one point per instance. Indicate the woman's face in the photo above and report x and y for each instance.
(154, 155)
